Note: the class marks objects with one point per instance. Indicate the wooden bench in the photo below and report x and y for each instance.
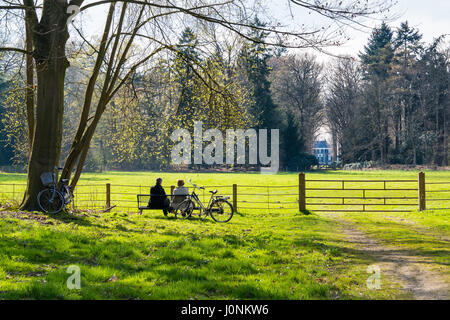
(144, 202)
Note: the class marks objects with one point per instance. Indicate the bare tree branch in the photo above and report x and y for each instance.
(15, 50)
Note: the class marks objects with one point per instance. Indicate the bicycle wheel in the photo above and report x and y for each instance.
(50, 201)
(184, 209)
(221, 210)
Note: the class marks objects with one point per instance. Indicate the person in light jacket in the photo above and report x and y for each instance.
(180, 193)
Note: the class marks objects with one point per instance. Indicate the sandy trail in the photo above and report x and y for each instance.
(412, 271)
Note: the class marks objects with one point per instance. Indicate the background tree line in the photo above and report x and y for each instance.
(390, 104)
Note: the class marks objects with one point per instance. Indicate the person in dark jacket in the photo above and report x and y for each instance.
(158, 197)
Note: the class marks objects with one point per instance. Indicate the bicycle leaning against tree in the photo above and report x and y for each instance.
(53, 199)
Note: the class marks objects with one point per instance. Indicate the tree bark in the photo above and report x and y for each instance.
(49, 39)
(334, 140)
(29, 95)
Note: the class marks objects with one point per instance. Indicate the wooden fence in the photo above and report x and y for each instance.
(309, 194)
(359, 195)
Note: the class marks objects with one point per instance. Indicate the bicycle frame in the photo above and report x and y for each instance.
(53, 188)
(195, 197)
(63, 190)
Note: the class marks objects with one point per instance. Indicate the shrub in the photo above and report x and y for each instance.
(302, 162)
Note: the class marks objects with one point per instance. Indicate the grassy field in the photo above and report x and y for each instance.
(272, 252)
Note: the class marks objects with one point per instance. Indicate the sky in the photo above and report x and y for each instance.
(431, 17)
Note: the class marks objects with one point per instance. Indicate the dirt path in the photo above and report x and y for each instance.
(413, 272)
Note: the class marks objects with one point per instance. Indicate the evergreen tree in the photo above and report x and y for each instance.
(407, 42)
(407, 47)
(376, 59)
(378, 53)
(184, 66)
(255, 57)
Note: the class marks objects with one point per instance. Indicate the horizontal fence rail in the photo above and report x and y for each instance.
(309, 194)
(438, 195)
(350, 196)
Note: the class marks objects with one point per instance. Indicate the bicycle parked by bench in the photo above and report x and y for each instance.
(219, 208)
(53, 199)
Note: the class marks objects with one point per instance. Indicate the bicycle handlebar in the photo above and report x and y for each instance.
(196, 186)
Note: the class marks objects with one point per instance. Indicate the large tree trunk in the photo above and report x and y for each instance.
(49, 37)
(335, 143)
(29, 94)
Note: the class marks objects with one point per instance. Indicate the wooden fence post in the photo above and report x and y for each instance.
(108, 195)
(422, 193)
(235, 196)
(302, 192)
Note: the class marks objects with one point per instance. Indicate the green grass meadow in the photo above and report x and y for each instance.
(267, 251)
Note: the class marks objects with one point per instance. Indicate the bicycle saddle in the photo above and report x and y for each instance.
(214, 192)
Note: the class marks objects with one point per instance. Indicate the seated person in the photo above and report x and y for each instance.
(179, 193)
(158, 198)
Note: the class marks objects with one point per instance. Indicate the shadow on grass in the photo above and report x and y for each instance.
(209, 286)
(316, 244)
(67, 218)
